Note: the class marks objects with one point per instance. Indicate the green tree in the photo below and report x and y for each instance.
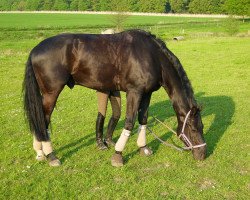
(167, 7)
(152, 6)
(133, 5)
(119, 5)
(118, 20)
(238, 7)
(34, 4)
(146, 6)
(231, 25)
(83, 5)
(205, 6)
(48, 5)
(177, 6)
(5, 5)
(160, 6)
(104, 5)
(14, 5)
(95, 5)
(74, 5)
(61, 5)
(21, 5)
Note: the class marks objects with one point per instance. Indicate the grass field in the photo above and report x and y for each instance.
(219, 69)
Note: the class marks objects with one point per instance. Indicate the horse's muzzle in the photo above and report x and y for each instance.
(200, 153)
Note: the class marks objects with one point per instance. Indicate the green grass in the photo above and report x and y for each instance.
(219, 69)
(39, 26)
(30, 21)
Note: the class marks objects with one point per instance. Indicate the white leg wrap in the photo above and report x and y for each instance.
(47, 147)
(37, 146)
(120, 144)
(141, 140)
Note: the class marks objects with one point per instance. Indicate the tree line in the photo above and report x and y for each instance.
(234, 7)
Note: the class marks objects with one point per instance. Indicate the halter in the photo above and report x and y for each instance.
(182, 135)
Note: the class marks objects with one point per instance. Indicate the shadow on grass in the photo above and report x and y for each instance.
(75, 146)
(221, 107)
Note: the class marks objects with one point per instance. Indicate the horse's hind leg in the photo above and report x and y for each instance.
(133, 101)
(142, 118)
(50, 90)
(49, 101)
(44, 149)
(39, 150)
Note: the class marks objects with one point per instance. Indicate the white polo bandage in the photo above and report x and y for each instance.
(47, 147)
(37, 146)
(120, 144)
(141, 140)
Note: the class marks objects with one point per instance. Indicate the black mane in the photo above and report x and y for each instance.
(180, 71)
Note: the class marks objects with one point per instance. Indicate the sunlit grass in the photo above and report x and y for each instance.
(219, 69)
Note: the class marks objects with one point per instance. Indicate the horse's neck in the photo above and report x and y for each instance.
(181, 106)
(180, 102)
(178, 94)
(176, 83)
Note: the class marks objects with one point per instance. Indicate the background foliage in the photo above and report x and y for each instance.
(235, 7)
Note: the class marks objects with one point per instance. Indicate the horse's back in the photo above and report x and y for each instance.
(104, 62)
(118, 62)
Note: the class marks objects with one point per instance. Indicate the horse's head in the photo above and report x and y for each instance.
(192, 134)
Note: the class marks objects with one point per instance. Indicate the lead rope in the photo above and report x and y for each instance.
(184, 137)
(163, 142)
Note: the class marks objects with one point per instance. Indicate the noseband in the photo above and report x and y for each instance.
(182, 135)
(185, 138)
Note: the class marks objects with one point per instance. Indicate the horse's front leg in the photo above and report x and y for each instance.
(142, 118)
(133, 102)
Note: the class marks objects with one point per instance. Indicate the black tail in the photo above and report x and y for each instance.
(33, 104)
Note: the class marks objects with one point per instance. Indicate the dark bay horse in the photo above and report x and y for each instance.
(133, 61)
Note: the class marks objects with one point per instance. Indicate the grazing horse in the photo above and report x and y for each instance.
(133, 61)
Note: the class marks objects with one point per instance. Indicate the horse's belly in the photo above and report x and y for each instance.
(93, 83)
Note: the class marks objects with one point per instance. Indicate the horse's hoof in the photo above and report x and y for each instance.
(101, 146)
(117, 160)
(40, 157)
(145, 151)
(110, 142)
(53, 160)
(55, 163)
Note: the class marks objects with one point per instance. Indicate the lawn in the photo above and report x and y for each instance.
(29, 21)
(218, 67)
